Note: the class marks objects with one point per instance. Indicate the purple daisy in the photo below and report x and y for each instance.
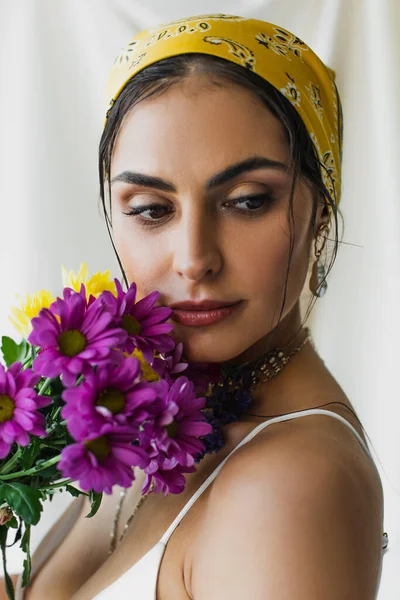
(172, 439)
(182, 422)
(103, 459)
(168, 364)
(167, 481)
(19, 404)
(114, 394)
(142, 320)
(79, 339)
(166, 472)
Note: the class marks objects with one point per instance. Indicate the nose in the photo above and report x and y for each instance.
(196, 250)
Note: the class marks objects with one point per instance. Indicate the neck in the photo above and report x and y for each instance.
(286, 336)
(285, 392)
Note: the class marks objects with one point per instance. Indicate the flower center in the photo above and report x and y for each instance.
(130, 324)
(112, 399)
(71, 342)
(99, 447)
(6, 408)
(172, 429)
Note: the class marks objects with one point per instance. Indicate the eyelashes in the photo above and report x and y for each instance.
(261, 201)
(256, 204)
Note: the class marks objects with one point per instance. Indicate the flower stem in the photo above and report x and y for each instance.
(56, 412)
(55, 485)
(10, 463)
(26, 361)
(47, 463)
(45, 385)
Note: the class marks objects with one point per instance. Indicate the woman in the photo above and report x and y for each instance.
(220, 161)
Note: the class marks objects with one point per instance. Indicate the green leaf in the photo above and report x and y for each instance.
(13, 352)
(29, 453)
(24, 500)
(95, 500)
(73, 491)
(13, 523)
(7, 579)
(25, 545)
(18, 534)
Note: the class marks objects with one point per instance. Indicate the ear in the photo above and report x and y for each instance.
(322, 216)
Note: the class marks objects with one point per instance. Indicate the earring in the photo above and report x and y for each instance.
(318, 285)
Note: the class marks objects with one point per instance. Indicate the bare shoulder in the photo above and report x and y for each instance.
(292, 514)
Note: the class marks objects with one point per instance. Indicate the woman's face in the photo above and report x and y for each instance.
(197, 236)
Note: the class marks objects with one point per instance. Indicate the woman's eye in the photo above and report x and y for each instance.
(254, 203)
(155, 211)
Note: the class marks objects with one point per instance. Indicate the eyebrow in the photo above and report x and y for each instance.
(250, 164)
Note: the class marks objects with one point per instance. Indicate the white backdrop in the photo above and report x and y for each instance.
(54, 61)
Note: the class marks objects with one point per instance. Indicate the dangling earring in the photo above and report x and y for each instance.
(317, 284)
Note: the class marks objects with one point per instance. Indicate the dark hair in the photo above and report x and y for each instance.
(158, 77)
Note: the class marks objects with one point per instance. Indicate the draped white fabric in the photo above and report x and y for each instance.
(54, 61)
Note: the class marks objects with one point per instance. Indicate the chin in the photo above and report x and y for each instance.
(215, 350)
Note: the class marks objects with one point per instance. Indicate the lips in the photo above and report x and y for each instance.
(202, 305)
(202, 315)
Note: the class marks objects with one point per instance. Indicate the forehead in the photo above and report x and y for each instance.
(195, 127)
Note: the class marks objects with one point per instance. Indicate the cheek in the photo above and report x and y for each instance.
(265, 266)
(142, 257)
(262, 260)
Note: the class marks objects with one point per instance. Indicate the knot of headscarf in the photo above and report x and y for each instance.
(278, 56)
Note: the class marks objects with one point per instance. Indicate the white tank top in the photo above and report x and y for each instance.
(140, 580)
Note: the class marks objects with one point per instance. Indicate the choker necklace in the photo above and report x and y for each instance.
(229, 397)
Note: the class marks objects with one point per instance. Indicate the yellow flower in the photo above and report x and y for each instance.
(94, 285)
(148, 372)
(29, 308)
(31, 305)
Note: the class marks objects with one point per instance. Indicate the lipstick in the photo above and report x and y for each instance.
(201, 314)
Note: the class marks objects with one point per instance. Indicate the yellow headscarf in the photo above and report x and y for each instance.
(272, 52)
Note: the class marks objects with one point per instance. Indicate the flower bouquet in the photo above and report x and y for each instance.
(94, 389)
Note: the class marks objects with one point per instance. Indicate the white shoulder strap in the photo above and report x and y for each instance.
(247, 438)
